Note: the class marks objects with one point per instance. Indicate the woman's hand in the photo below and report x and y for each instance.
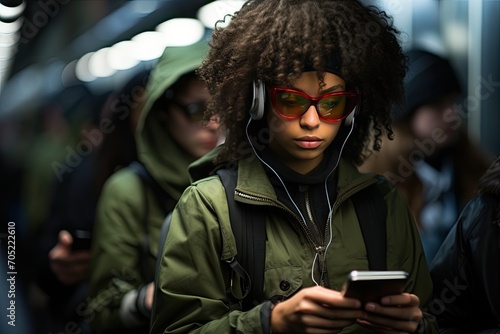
(394, 314)
(315, 310)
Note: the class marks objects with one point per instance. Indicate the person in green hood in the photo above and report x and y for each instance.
(170, 135)
(302, 87)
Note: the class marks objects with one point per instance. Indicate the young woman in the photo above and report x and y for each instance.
(300, 86)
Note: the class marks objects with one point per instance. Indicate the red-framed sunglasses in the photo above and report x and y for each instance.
(331, 107)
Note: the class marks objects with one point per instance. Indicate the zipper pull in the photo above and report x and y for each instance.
(320, 250)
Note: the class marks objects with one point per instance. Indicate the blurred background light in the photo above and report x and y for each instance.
(121, 55)
(181, 31)
(99, 65)
(11, 27)
(8, 13)
(149, 45)
(218, 10)
(68, 75)
(455, 35)
(82, 68)
(10, 24)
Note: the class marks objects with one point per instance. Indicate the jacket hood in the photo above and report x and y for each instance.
(204, 166)
(157, 150)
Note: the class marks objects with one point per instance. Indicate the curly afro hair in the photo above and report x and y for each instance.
(274, 40)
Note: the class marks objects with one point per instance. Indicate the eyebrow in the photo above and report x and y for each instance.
(324, 91)
(332, 89)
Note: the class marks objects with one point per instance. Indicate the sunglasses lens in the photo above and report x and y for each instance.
(290, 104)
(195, 111)
(333, 107)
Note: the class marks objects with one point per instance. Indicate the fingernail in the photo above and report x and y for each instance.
(370, 307)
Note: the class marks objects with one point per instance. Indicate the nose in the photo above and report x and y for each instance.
(310, 119)
(213, 124)
(448, 110)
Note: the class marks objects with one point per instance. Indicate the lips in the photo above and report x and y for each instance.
(209, 143)
(309, 142)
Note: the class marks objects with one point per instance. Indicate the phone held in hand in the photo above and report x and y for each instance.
(371, 286)
(81, 240)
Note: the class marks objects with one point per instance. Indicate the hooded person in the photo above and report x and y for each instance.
(170, 135)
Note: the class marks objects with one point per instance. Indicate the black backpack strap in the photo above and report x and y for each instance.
(371, 210)
(164, 200)
(249, 229)
(165, 226)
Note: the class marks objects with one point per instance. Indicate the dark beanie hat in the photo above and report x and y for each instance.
(429, 77)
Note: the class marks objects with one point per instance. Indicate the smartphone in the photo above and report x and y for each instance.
(81, 240)
(371, 286)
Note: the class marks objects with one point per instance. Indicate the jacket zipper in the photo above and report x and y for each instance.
(303, 224)
(317, 247)
(320, 250)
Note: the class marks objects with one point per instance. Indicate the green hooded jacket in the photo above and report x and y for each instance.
(119, 264)
(194, 277)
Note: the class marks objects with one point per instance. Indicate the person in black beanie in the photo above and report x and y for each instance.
(429, 79)
(430, 157)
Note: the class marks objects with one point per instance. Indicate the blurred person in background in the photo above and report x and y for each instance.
(56, 134)
(466, 269)
(63, 265)
(55, 125)
(130, 213)
(432, 160)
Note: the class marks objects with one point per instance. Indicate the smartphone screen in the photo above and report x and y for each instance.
(81, 240)
(371, 286)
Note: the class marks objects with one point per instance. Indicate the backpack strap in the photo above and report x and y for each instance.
(165, 227)
(372, 216)
(249, 229)
(164, 201)
(250, 234)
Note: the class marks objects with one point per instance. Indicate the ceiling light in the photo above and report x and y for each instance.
(98, 64)
(217, 10)
(121, 56)
(8, 13)
(181, 31)
(82, 68)
(11, 27)
(149, 45)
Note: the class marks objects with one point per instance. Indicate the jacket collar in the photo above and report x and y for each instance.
(252, 179)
